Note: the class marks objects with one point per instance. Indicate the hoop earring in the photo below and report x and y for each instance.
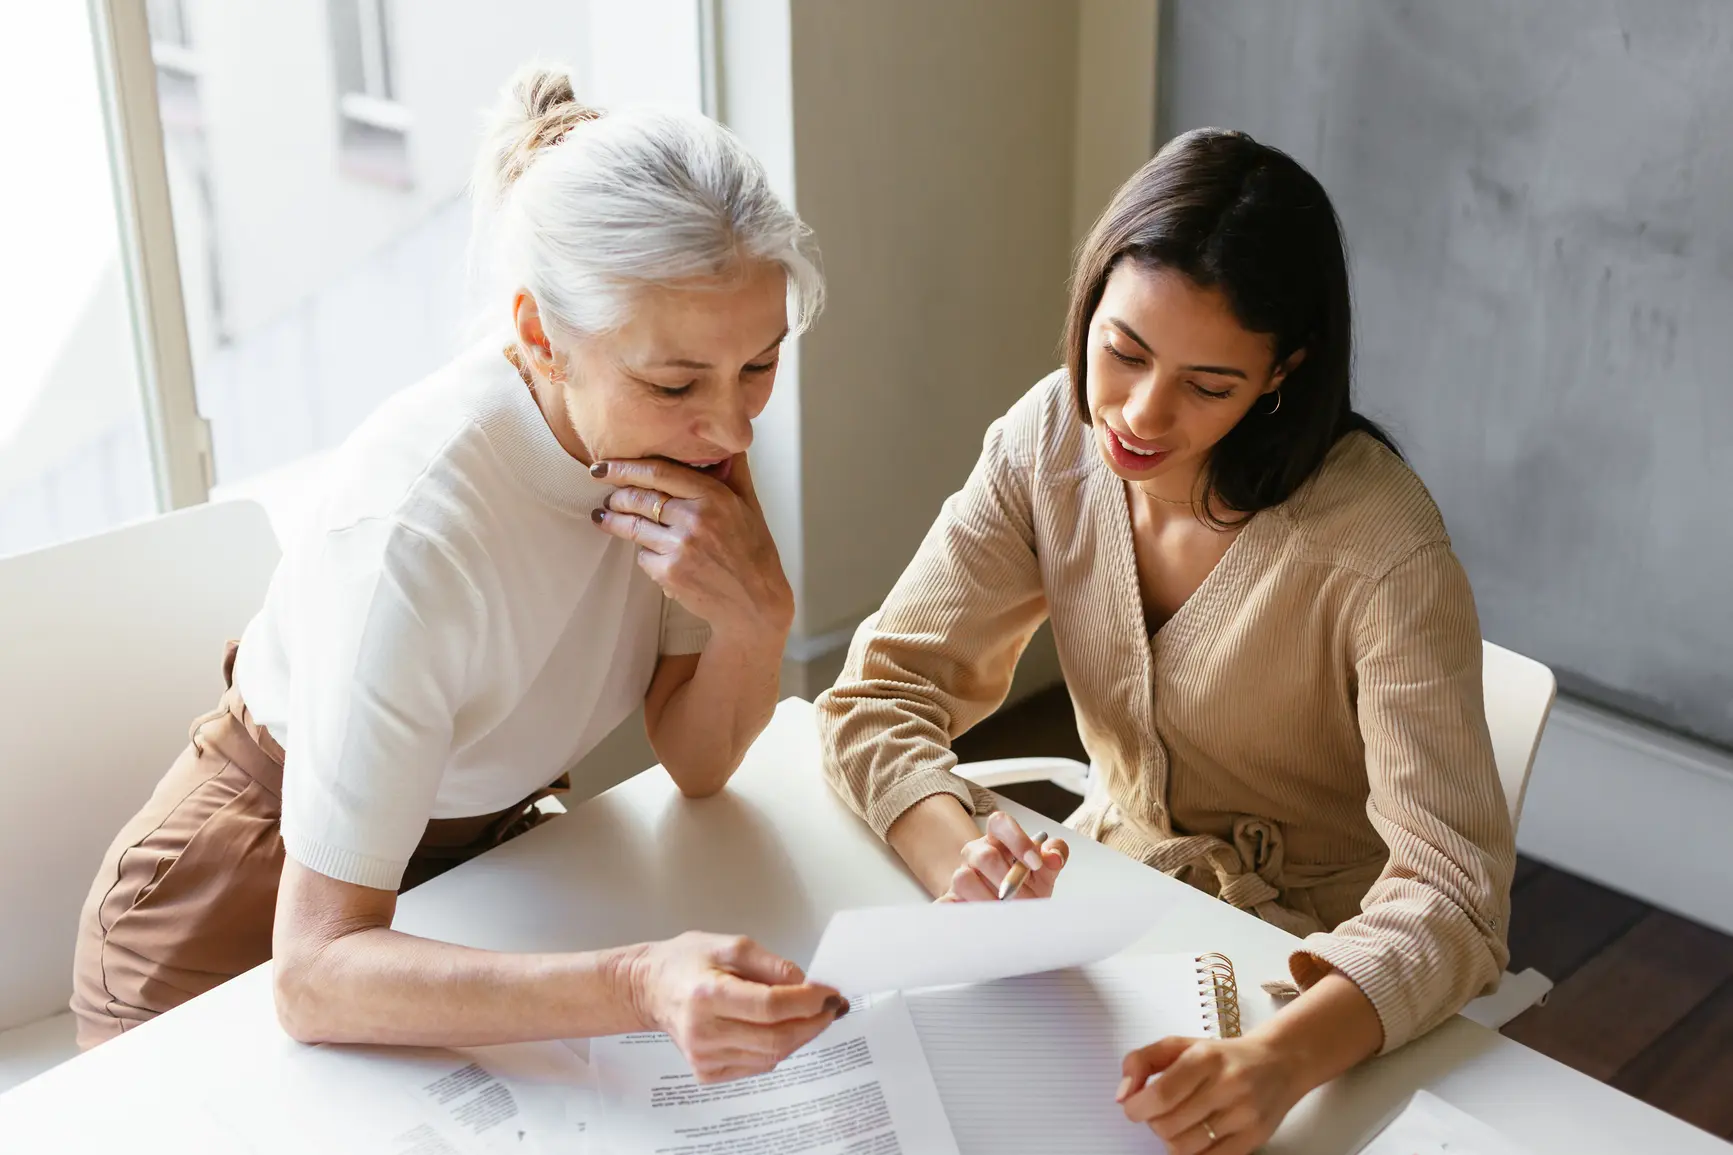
(1277, 407)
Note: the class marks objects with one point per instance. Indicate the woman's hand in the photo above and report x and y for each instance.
(987, 860)
(733, 1008)
(704, 541)
(1220, 1096)
(1242, 1089)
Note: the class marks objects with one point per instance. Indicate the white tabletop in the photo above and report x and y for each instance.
(772, 857)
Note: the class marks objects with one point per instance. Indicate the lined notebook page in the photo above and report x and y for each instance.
(1028, 1066)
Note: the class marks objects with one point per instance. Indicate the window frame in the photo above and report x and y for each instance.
(180, 439)
(374, 125)
(183, 468)
(374, 26)
(375, 104)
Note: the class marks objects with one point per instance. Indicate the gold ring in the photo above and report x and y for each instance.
(656, 510)
(1211, 1132)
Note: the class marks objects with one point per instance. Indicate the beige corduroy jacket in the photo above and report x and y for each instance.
(1305, 737)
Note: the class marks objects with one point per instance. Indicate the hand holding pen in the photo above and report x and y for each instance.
(1006, 863)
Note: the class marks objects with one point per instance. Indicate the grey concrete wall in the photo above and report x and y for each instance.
(1538, 200)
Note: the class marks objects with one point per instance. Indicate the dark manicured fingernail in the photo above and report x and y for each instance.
(837, 1006)
(596, 515)
(599, 469)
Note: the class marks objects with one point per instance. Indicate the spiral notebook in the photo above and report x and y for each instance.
(1028, 1065)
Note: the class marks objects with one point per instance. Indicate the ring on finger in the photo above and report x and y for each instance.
(656, 509)
(1210, 1131)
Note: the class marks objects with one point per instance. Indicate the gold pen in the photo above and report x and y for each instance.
(1014, 880)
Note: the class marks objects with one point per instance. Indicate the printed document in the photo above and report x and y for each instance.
(524, 1099)
(861, 1088)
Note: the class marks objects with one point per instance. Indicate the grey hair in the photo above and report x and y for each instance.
(582, 209)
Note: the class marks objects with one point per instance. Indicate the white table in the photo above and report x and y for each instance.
(772, 857)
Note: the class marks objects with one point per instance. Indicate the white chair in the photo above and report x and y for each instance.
(1519, 695)
(1066, 773)
(109, 648)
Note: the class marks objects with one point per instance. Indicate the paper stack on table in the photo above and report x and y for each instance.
(523, 1099)
(864, 1087)
(1430, 1126)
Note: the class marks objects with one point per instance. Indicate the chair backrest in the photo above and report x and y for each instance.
(1519, 696)
(109, 648)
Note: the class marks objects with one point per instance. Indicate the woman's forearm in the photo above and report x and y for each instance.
(702, 732)
(342, 975)
(1328, 1029)
(378, 985)
(930, 836)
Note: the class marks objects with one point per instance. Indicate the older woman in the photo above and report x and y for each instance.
(1272, 650)
(511, 556)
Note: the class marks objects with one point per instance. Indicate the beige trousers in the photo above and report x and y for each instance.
(187, 892)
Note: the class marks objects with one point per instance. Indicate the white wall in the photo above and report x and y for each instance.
(1635, 808)
(945, 152)
(933, 149)
(644, 52)
(1116, 101)
(755, 94)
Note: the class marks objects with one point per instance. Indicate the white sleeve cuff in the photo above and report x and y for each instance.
(345, 865)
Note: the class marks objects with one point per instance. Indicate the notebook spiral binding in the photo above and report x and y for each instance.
(1219, 993)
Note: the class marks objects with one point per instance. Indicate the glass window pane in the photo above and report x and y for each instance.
(318, 154)
(74, 456)
(345, 28)
(379, 47)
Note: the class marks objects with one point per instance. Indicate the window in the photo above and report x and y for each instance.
(74, 454)
(169, 26)
(361, 35)
(374, 124)
(323, 245)
(175, 51)
(172, 48)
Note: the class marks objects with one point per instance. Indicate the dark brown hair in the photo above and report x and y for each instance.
(1242, 217)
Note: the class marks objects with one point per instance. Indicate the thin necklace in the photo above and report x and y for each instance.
(1167, 500)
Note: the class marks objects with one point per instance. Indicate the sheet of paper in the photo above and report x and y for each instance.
(525, 1099)
(1430, 1126)
(902, 948)
(1029, 1065)
(555, 1090)
(861, 1088)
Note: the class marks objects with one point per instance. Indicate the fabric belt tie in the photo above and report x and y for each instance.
(1251, 872)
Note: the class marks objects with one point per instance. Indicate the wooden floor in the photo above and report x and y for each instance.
(1644, 999)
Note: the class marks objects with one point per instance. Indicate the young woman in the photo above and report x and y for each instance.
(1272, 651)
(477, 606)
